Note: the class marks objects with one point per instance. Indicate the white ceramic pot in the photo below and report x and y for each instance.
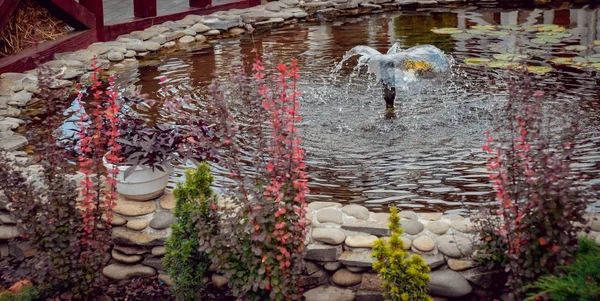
(143, 183)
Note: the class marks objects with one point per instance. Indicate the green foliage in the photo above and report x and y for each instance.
(581, 280)
(27, 293)
(405, 276)
(186, 263)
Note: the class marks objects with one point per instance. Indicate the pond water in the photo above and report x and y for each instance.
(429, 158)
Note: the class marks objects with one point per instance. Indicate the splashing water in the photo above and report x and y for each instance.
(399, 67)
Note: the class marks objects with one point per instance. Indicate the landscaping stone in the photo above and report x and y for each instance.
(162, 220)
(381, 217)
(408, 215)
(595, 223)
(431, 216)
(330, 216)
(151, 46)
(115, 56)
(121, 235)
(434, 261)
(212, 32)
(485, 278)
(215, 23)
(598, 240)
(371, 282)
(454, 246)
(155, 262)
(344, 277)
(165, 278)
(7, 126)
(323, 252)
(319, 278)
(452, 217)
(130, 54)
(219, 280)
(460, 265)
(120, 257)
(8, 232)
(407, 242)
(273, 6)
(424, 244)
(290, 3)
(132, 250)
(437, 227)
(7, 219)
(357, 269)
(12, 143)
(167, 201)
(187, 39)
(236, 31)
(189, 32)
(200, 38)
(358, 211)
(173, 36)
(119, 271)
(118, 221)
(374, 228)
(137, 224)
(329, 293)
(448, 283)
(320, 205)
(133, 208)
(357, 259)
(200, 28)
(159, 251)
(20, 99)
(169, 44)
(333, 266)
(464, 226)
(412, 227)
(329, 235)
(360, 241)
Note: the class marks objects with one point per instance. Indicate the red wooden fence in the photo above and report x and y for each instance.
(87, 17)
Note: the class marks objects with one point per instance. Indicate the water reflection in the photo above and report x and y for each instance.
(430, 157)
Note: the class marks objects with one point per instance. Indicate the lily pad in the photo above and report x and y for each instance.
(511, 27)
(545, 41)
(549, 27)
(580, 59)
(556, 35)
(576, 48)
(593, 59)
(510, 57)
(596, 66)
(447, 30)
(597, 42)
(476, 61)
(484, 27)
(595, 55)
(539, 69)
(462, 36)
(498, 33)
(478, 31)
(562, 60)
(502, 64)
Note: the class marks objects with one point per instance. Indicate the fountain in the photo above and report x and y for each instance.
(398, 68)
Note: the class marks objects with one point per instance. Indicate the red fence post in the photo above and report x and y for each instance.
(144, 8)
(96, 7)
(200, 3)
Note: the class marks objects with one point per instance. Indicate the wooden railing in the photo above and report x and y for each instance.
(87, 17)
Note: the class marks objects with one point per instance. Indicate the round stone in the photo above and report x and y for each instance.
(115, 56)
(8, 232)
(200, 28)
(130, 54)
(133, 208)
(344, 277)
(200, 38)
(464, 225)
(162, 220)
(454, 246)
(122, 235)
(381, 217)
(151, 46)
(330, 216)
(329, 293)
(333, 266)
(448, 283)
(137, 224)
(189, 32)
(452, 217)
(329, 235)
(159, 251)
(437, 227)
(431, 216)
(357, 269)
(118, 221)
(169, 44)
(120, 257)
(424, 244)
(236, 31)
(408, 215)
(120, 271)
(407, 242)
(412, 227)
(320, 205)
(358, 211)
(212, 32)
(219, 280)
(186, 39)
(460, 265)
(595, 223)
(167, 201)
(360, 241)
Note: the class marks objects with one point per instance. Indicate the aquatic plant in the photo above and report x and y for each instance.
(405, 276)
(184, 260)
(540, 201)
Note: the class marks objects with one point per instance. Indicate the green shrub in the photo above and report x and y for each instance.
(405, 277)
(581, 280)
(27, 293)
(185, 262)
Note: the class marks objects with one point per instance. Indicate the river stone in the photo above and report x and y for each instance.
(290, 3)
(408, 215)
(20, 99)
(448, 283)
(357, 211)
(329, 235)
(320, 205)
(119, 271)
(357, 269)
(381, 217)
(172, 36)
(452, 217)
(219, 24)
(159, 251)
(344, 277)
(212, 32)
(434, 261)
(412, 227)
(360, 241)
(169, 44)
(8, 232)
(200, 28)
(431, 216)
(322, 252)
(454, 246)
(236, 31)
(187, 40)
(162, 220)
(12, 143)
(125, 236)
(160, 39)
(464, 226)
(461, 265)
(219, 280)
(200, 38)
(155, 262)
(151, 46)
(329, 293)
(7, 219)
(407, 242)
(115, 56)
(130, 54)
(273, 6)
(120, 257)
(132, 250)
(167, 201)
(118, 221)
(424, 244)
(437, 227)
(330, 216)
(137, 224)
(133, 208)
(333, 266)
(7, 126)
(357, 259)
(595, 223)
(358, 225)
(165, 278)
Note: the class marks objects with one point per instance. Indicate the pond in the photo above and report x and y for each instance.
(429, 158)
